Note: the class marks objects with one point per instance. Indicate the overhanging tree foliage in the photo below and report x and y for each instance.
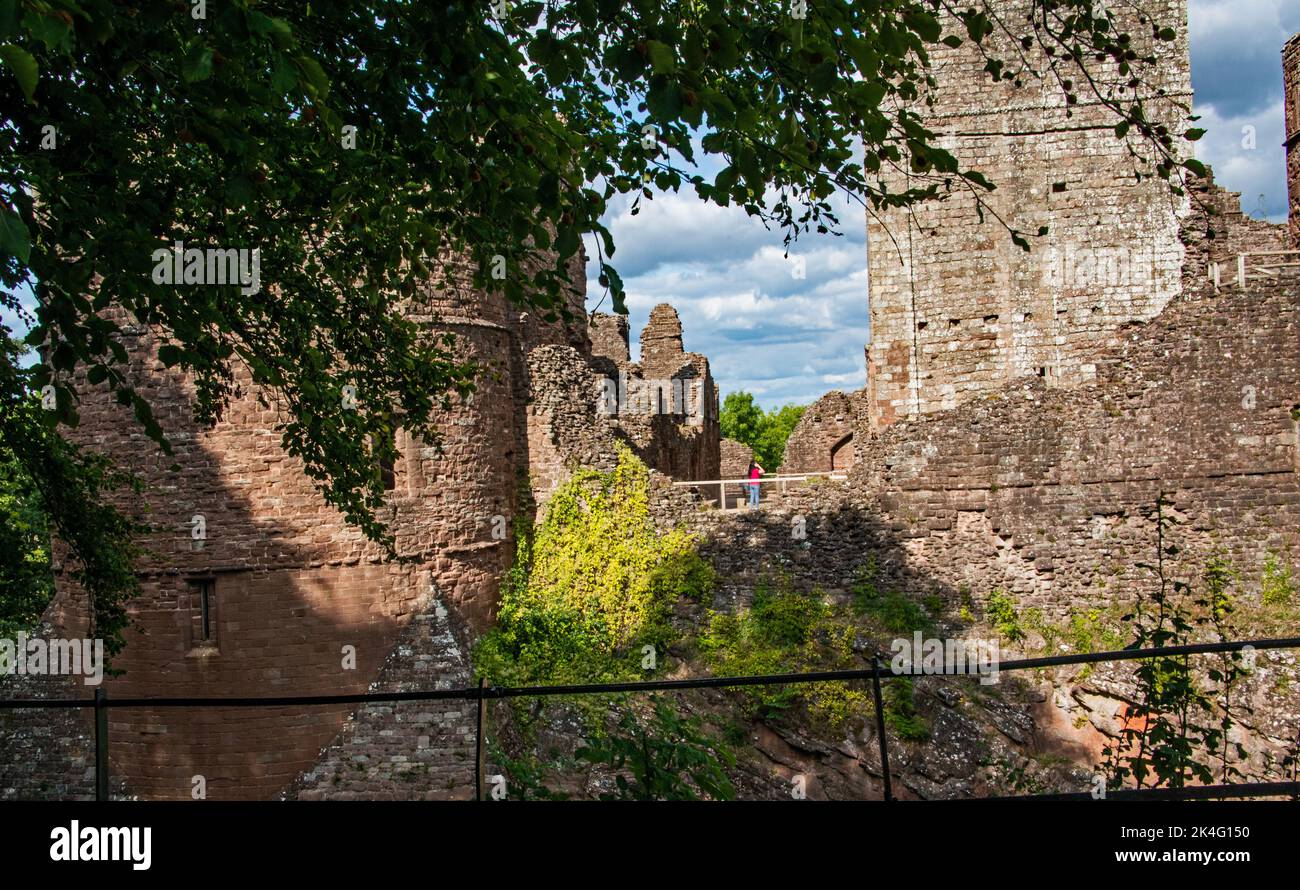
(358, 144)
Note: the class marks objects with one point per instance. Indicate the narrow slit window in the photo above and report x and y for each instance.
(387, 466)
(203, 611)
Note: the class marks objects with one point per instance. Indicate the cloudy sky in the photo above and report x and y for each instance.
(789, 340)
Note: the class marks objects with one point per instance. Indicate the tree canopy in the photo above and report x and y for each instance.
(359, 144)
(765, 432)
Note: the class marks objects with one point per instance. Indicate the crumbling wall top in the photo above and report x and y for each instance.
(661, 338)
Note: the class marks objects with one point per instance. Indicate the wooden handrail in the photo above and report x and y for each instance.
(834, 477)
(1263, 269)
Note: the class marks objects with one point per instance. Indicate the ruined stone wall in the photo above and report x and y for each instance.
(822, 440)
(734, 460)
(293, 591)
(666, 405)
(405, 750)
(1047, 493)
(298, 601)
(47, 754)
(609, 337)
(1291, 83)
(1217, 231)
(957, 309)
(565, 424)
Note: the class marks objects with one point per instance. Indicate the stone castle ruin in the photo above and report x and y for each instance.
(1291, 79)
(1021, 413)
(279, 595)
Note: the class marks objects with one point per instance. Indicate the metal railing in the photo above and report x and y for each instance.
(779, 480)
(483, 693)
(1247, 268)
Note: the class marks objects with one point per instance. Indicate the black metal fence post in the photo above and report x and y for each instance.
(880, 727)
(479, 741)
(101, 744)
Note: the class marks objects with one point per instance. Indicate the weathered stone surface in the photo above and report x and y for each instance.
(300, 602)
(957, 309)
(1291, 81)
(822, 441)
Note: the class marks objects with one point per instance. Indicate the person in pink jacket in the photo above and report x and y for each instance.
(755, 471)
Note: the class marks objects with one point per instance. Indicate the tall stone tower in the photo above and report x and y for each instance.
(956, 308)
(278, 594)
(252, 586)
(1291, 81)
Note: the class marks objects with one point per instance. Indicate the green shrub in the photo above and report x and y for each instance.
(1277, 588)
(900, 710)
(1001, 611)
(1090, 632)
(592, 585)
(891, 608)
(784, 631)
(661, 755)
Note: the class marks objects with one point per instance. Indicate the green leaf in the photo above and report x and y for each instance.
(197, 64)
(664, 99)
(1193, 134)
(54, 32)
(315, 75)
(14, 237)
(567, 242)
(662, 59)
(23, 66)
(924, 24)
(283, 78)
(726, 178)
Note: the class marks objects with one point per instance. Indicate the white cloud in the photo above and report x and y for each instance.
(1247, 156)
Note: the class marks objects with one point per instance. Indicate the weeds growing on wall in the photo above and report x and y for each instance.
(1277, 588)
(593, 585)
(1176, 725)
(786, 630)
(887, 607)
(588, 600)
(1002, 614)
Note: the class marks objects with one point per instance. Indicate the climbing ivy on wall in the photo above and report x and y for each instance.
(591, 588)
(592, 584)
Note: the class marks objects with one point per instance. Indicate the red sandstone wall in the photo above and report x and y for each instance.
(294, 584)
(609, 337)
(822, 441)
(1291, 82)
